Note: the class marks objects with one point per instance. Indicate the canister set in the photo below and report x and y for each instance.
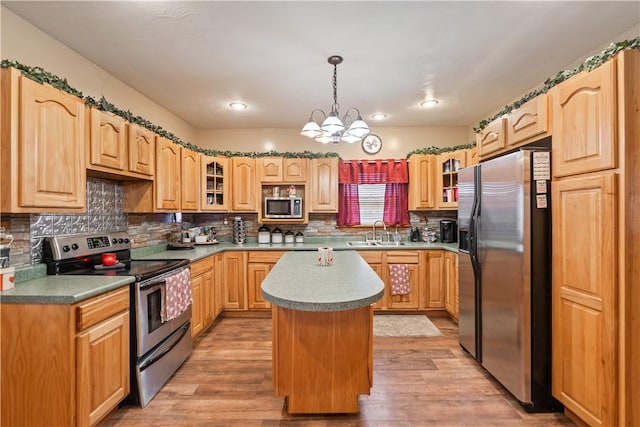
(266, 236)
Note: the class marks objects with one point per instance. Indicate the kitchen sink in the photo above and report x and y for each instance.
(361, 244)
(367, 244)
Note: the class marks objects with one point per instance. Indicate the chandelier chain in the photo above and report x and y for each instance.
(336, 106)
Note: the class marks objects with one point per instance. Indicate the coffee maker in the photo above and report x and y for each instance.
(448, 231)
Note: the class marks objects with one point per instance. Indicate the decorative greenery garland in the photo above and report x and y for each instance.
(40, 75)
(440, 150)
(590, 64)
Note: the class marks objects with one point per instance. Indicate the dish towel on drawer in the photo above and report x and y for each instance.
(177, 295)
(399, 279)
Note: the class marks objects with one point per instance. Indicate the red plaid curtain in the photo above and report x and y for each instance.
(393, 173)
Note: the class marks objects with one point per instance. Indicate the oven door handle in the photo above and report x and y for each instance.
(165, 347)
(147, 286)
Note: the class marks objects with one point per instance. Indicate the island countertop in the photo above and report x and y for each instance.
(297, 282)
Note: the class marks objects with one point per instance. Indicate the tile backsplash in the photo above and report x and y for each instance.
(104, 214)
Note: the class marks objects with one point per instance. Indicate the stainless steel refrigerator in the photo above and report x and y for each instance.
(504, 226)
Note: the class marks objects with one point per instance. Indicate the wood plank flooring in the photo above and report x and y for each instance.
(417, 382)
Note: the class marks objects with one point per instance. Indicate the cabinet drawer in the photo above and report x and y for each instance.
(265, 256)
(372, 257)
(201, 266)
(102, 307)
(402, 257)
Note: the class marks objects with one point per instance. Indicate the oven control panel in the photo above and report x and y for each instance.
(65, 247)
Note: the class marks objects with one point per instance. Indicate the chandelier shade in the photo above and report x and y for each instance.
(333, 128)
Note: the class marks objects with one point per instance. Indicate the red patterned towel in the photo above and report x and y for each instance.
(399, 279)
(177, 295)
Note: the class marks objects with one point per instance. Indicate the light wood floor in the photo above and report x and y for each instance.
(417, 382)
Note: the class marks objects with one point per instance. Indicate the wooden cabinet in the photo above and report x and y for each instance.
(190, 191)
(450, 271)
(422, 183)
(584, 296)
(529, 122)
(282, 169)
(43, 147)
(523, 125)
(64, 365)
(259, 264)
(596, 243)
(295, 169)
(202, 289)
(218, 284)
(410, 301)
(270, 169)
(381, 262)
(108, 142)
(244, 182)
(584, 121)
(235, 280)
(447, 166)
(120, 148)
(167, 181)
(323, 193)
(492, 139)
(374, 259)
(141, 145)
(215, 184)
(433, 296)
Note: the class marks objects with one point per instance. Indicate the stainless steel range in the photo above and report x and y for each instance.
(158, 346)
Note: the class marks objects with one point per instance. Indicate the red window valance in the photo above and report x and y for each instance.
(373, 172)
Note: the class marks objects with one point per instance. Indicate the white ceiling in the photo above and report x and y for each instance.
(194, 57)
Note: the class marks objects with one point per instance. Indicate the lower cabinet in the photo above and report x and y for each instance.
(64, 365)
(381, 262)
(451, 283)
(433, 295)
(411, 300)
(202, 289)
(218, 283)
(235, 280)
(259, 264)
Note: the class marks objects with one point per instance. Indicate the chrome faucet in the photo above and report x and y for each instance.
(374, 228)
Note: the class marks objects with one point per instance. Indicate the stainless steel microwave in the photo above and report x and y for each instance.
(283, 207)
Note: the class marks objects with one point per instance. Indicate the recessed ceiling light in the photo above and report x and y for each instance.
(238, 106)
(429, 103)
(379, 116)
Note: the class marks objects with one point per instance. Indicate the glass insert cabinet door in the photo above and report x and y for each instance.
(215, 184)
(447, 174)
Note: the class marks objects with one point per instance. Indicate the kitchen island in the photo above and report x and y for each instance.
(322, 330)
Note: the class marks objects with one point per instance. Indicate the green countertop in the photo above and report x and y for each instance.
(297, 282)
(38, 288)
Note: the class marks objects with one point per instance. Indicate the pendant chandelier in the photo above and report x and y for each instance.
(333, 128)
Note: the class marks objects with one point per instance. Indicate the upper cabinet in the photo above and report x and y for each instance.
(214, 184)
(141, 144)
(43, 147)
(279, 169)
(526, 124)
(491, 139)
(529, 122)
(323, 192)
(447, 167)
(121, 148)
(422, 179)
(189, 180)
(584, 121)
(244, 182)
(167, 182)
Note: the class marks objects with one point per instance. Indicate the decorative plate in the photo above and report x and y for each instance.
(372, 144)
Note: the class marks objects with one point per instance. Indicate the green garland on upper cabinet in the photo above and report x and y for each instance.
(589, 64)
(40, 75)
